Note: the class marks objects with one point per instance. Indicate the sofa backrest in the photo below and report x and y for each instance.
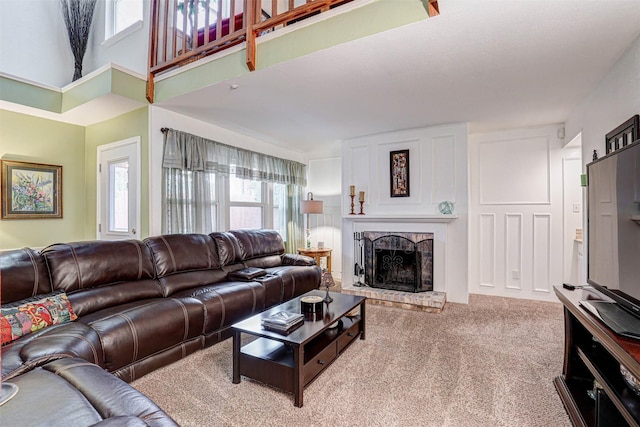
(228, 248)
(259, 248)
(100, 274)
(23, 274)
(185, 261)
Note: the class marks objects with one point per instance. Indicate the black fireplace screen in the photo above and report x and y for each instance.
(396, 262)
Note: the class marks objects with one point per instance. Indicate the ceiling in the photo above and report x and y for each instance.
(496, 64)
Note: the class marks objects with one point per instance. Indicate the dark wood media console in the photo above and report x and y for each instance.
(591, 386)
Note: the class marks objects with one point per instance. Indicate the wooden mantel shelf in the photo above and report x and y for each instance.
(400, 218)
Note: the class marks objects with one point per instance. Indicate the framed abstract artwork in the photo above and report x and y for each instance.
(399, 161)
(31, 190)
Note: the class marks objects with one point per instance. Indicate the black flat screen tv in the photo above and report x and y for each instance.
(613, 203)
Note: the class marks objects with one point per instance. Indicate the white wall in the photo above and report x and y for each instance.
(516, 212)
(438, 171)
(573, 209)
(613, 101)
(33, 42)
(41, 53)
(325, 182)
(129, 49)
(159, 118)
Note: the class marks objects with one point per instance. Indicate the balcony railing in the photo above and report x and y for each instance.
(183, 31)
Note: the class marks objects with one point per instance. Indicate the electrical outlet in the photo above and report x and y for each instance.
(515, 274)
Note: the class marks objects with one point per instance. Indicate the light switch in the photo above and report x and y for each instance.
(576, 208)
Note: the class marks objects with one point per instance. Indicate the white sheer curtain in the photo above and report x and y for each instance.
(190, 167)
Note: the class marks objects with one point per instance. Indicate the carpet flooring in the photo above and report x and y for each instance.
(487, 363)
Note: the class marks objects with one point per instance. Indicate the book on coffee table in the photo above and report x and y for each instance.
(282, 321)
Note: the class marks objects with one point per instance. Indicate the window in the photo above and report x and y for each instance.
(252, 190)
(245, 203)
(256, 204)
(120, 15)
(119, 196)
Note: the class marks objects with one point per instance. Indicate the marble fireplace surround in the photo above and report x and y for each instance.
(432, 301)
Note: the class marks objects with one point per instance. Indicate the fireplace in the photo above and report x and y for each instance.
(398, 261)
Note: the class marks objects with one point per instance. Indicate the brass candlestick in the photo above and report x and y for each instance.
(352, 206)
(361, 203)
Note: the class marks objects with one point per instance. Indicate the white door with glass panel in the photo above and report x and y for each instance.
(118, 190)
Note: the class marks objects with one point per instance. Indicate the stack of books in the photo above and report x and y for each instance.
(282, 321)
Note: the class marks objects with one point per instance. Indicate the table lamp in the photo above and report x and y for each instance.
(307, 207)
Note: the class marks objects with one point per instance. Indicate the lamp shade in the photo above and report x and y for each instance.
(311, 207)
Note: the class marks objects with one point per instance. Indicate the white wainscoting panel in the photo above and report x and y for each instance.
(513, 251)
(541, 252)
(443, 168)
(488, 250)
(524, 175)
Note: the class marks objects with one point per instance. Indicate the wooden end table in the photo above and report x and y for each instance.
(290, 362)
(317, 254)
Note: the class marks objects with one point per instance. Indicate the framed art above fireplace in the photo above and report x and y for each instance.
(399, 163)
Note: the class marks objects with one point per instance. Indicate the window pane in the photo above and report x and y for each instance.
(119, 196)
(245, 217)
(280, 209)
(244, 190)
(127, 12)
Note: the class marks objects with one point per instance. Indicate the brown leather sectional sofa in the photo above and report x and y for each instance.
(140, 305)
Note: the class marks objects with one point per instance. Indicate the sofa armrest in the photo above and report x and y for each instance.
(52, 343)
(110, 396)
(295, 259)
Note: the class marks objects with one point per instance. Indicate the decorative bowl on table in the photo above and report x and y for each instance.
(333, 328)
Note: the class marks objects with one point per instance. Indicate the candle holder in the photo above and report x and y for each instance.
(352, 205)
(361, 211)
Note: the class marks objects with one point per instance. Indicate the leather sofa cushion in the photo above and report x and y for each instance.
(273, 290)
(73, 392)
(226, 303)
(189, 280)
(26, 272)
(86, 301)
(258, 243)
(296, 280)
(84, 265)
(265, 261)
(133, 331)
(176, 253)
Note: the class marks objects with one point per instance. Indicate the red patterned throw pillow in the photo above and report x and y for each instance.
(31, 315)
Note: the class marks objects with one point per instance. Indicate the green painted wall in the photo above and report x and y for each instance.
(135, 123)
(32, 139)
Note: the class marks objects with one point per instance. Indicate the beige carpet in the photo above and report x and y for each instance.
(488, 363)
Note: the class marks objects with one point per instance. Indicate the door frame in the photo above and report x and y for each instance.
(136, 142)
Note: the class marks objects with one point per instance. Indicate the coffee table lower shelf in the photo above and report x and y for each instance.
(274, 363)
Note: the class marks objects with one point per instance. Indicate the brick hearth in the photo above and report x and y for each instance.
(432, 302)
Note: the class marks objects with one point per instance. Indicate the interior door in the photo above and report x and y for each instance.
(118, 190)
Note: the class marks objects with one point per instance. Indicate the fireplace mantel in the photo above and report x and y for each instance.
(400, 218)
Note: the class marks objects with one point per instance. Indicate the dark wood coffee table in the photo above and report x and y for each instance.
(290, 362)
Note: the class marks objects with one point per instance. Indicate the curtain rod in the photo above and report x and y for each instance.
(164, 130)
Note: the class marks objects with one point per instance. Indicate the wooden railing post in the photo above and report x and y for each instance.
(250, 8)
